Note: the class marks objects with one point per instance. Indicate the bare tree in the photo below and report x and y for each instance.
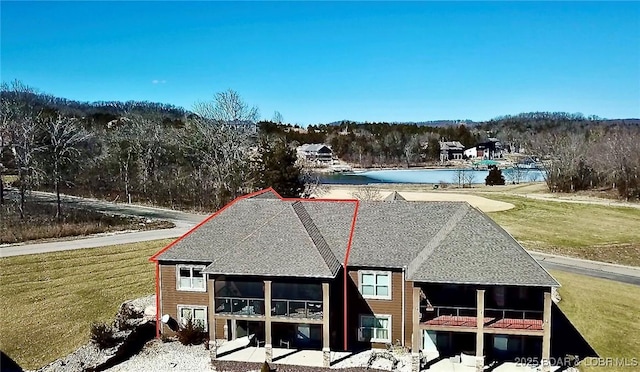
(458, 177)
(515, 175)
(564, 160)
(228, 108)
(220, 146)
(277, 117)
(20, 122)
(468, 177)
(367, 193)
(62, 146)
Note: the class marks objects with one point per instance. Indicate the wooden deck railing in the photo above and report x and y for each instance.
(466, 315)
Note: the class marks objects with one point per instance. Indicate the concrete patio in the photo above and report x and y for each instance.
(311, 358)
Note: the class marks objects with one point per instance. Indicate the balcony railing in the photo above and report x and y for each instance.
(239, 306)
(459, 316)
(296, 309)
(256, 306)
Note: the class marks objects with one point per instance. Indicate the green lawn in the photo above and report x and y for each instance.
(606, 313)
(50, 300)
(596, 232)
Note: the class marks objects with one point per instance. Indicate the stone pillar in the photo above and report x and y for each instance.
(546, 333)
(268, 344)
(416, 337)
(479, 330)
(326, 336)
(212, 319)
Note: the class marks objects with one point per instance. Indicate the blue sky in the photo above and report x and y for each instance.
(321, 62)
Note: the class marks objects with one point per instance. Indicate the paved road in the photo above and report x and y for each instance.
(619, 273)
(184, 221)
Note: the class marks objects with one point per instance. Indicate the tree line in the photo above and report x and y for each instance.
(200, 160)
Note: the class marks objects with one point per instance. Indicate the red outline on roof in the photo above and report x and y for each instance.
(154, 258)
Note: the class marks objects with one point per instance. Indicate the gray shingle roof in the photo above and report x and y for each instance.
(479, 251)
(253, 237)
(267, 194)
(435, 241)
(392, 234)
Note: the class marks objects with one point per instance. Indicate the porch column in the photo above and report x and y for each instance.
(546, 332)
(212, 319)
(326, 337)
(479, 330)
(268, 348)
(416, 337)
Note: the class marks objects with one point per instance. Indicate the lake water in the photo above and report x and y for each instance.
(430, 176)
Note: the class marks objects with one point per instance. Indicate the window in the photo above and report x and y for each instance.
(190, 278)
(375, 328)
(198, 314)
(375, 284)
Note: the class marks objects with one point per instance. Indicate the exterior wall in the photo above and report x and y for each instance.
(391, 307)
(170, 297)
(408, 313)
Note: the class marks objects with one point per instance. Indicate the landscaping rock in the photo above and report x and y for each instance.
(133, 327)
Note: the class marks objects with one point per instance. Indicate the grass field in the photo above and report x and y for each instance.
(50, 300)
(594, 232)
(606, 314)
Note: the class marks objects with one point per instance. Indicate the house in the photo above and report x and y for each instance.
(440, 278)
(490, 149)
(315, 152)
(451, 150)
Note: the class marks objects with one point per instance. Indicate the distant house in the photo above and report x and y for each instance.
(440, 278)
(316, 152)
(490, 149)
(451, 150)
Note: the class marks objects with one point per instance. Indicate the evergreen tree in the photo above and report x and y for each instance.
(495, 176)
(277, 168)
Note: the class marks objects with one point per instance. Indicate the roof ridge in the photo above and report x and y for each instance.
(445, 230)
(316, 237)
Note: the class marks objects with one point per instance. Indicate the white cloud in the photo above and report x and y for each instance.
(156, 81)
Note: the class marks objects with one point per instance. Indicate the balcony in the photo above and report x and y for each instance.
(452, 318)
(240, 306)
(296, 309)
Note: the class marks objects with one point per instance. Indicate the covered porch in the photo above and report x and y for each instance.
(286, 321)
(479, 322)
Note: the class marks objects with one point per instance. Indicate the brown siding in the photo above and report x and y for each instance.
(408, 313)
(170, 297)
(391, 307)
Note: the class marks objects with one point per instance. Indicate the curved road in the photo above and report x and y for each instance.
(184, 221)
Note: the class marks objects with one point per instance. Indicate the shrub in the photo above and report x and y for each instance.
(495, 176)
(191, 333)
(265, 367)
(103, 335)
